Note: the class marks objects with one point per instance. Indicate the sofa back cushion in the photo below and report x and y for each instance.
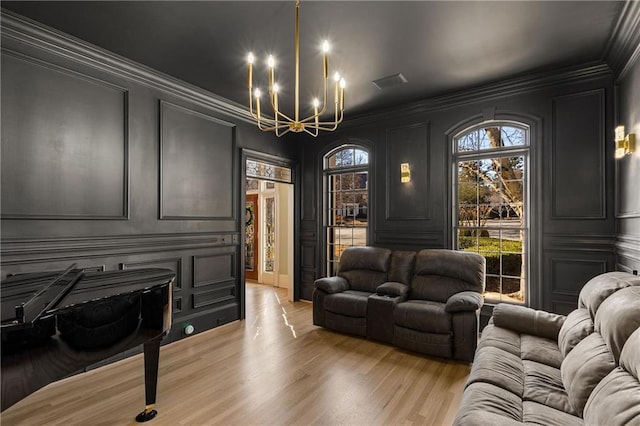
(576, 327)
(401, 269)
(439, 274)
(597, 289)
(365, 268)
(616, 399)
(583, 368)
(618, 317)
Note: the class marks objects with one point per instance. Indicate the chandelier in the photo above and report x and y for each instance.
(281, 123)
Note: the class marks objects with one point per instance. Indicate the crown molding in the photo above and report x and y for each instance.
(40, 36)
(623, 47)
(506, 88)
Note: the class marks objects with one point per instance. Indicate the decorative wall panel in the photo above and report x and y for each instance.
(221, 296)
(570, 275)
(578, 156)
(64, 143)
(407, 201)
(213, 269)
(196, 165)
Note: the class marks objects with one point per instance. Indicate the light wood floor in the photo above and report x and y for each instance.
(273, 368)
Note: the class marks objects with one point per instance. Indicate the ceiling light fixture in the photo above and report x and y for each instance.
(279, 122)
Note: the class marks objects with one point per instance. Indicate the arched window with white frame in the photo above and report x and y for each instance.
(346, 201)
(491, 204)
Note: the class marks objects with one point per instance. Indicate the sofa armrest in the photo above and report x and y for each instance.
(332, 284)
(464, 301)
(528, 321)
(393, 289)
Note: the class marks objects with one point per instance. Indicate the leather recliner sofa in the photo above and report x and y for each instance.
(536, 367)
(427, 301)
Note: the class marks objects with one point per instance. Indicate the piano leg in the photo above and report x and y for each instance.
(151, 361)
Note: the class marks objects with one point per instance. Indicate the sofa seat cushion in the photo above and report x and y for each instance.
(351, 303)
(538, 414)
(540, 349)
(423, 315)
(487, 404)
(543, 384)
(499, 368)
(501, 338)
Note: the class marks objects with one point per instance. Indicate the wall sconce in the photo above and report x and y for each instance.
(625, 144)
(405, 173)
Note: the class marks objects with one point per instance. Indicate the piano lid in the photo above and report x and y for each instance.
(25, 298)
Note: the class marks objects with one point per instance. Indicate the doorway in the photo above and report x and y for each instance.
(269, 227)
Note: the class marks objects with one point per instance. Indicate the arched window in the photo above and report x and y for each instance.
(346, 201)
(491, 204)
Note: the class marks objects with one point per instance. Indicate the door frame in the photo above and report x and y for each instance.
(249, 154)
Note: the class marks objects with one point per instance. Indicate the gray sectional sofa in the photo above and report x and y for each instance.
(535, 367)
(427, 301)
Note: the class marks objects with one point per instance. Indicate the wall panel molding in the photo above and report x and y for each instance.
(38, 250)
(571, 127)
(407, 201)
(197, 167)
(416, 239)
(72, 159)
(212, 269)
(585, 243)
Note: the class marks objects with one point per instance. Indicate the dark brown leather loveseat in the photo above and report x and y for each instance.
(427, 301)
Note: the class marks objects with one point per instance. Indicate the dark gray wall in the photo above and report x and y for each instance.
(628, 170)
(572, 176)
(112, 165)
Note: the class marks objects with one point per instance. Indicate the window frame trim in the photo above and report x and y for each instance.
(524, 150)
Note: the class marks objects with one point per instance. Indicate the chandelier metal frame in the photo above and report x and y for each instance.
(281, 123)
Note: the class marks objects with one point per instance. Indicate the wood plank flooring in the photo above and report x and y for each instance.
(274, 368)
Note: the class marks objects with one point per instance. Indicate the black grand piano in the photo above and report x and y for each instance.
(55, 324)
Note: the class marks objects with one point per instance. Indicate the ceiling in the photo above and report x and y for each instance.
(438, 46)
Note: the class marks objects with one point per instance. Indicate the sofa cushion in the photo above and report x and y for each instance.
(402, 263)
(597, 289)
(423, 315)
(543, 384)
(630, 356)
(440, 273)
(500, 368)
(365, 268)
(576, 327)
(528, 321)
(618, 317)
(539, 414)
(539, 349)
(487, 404)
(351, 303)
(615, 401)
(501, 338)
(583, 368)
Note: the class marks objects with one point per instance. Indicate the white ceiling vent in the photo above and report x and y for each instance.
(389, 81)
